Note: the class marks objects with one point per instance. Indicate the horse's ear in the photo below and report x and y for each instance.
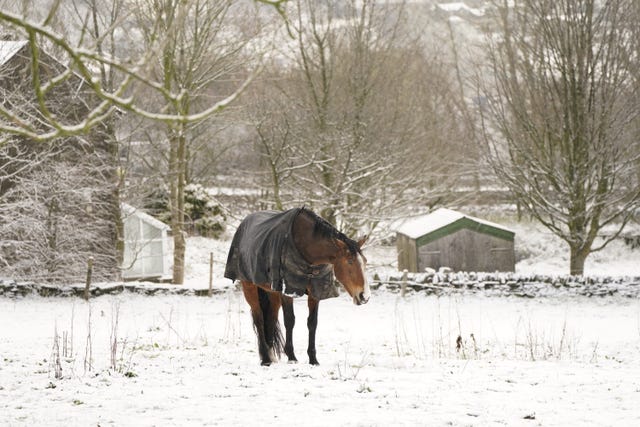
(363, 240)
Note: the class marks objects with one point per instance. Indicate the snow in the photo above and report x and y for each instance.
(9, 48)
(457, 7)
(540, 251)
(390, 362)
(192, 361)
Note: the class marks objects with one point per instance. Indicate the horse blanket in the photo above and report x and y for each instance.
(263, 252)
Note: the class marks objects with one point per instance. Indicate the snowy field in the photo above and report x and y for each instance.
(193, 361)
(183, 360)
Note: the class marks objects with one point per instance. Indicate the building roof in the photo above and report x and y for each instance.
(129, 210)
(9, 48)
(427, 228)
(457, 7)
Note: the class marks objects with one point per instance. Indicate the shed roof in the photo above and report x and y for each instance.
(130, 210)
(426, 228)
(9, 48)
(456, 7)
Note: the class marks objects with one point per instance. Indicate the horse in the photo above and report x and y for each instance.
(279, 255)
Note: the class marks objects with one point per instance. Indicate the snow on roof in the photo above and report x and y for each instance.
(419, 226)
(129, 210)
(456, 7)
(9, 48)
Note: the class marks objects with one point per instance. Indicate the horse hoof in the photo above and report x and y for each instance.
(266, 363)
(293, 361)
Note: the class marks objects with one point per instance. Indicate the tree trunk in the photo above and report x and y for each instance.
(328, 212)
(179, 245)
(275, 177)
(177, 165)
(118, 224)
(578, 258)
(116, 179)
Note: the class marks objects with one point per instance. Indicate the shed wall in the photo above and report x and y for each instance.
(407, 253)
(467, 250)
(145, 251)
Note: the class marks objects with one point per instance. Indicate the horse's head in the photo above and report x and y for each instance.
(348, 268)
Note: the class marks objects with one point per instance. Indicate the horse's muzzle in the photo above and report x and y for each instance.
(360, 299)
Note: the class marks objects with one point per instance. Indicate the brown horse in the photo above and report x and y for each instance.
(295, 252)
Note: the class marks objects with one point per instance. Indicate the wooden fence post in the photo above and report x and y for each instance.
(403, 284)
(210, 273)
(88, 283)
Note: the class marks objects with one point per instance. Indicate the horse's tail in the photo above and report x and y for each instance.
(272, 333)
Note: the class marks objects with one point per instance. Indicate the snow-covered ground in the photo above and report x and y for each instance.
(184, 360)
(539, 251)
(193, 361)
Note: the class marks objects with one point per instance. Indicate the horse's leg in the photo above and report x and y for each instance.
(272, 325)
(251, 295)
(289, 323)
(312, 324)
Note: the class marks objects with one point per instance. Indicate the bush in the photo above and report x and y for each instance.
(203, 214)
(207, 218)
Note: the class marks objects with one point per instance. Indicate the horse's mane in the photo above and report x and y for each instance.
(324, 228)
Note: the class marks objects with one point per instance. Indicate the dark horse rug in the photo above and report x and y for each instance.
(263, 251)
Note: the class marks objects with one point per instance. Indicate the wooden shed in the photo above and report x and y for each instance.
(446, 238)
(147, 246)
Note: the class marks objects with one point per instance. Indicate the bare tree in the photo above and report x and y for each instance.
(184, 74)
(366, 121)
(275, 135)
(200, 54)
(631, 25)
(43, 193)
(557, 126)
(81, 62)
(51, 215)
(97, 24)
